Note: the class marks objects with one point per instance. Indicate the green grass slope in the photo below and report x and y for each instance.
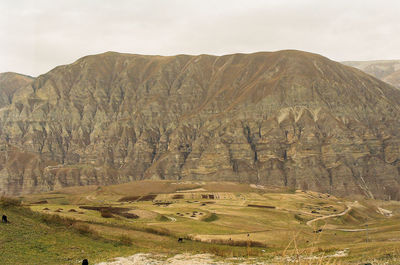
(30, 238)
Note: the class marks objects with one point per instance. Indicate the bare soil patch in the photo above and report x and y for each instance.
(108, 211)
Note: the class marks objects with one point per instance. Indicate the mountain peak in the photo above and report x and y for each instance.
(288, 118)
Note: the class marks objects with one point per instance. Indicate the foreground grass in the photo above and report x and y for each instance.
(29, 240)
(33, 238)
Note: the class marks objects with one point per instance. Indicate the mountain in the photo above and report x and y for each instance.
(388, 71)
(286, 118)
(10, 84)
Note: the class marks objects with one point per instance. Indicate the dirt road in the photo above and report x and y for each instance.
(329, 216)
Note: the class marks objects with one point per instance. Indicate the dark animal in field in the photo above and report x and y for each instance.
(318, 231)
(85, 262)
(180, 240)
(4, 219)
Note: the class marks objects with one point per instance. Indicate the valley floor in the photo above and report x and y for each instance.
(219, 223)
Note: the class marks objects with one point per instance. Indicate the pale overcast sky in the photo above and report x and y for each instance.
(37, 35)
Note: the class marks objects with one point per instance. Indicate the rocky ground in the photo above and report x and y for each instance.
(181, 259)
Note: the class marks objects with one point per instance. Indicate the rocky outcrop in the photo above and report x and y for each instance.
(286, 118)
(388, 71)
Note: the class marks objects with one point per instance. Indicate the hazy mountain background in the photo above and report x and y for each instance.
(386, 70)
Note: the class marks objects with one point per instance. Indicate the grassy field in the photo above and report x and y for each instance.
(226, 219)
(31, 239)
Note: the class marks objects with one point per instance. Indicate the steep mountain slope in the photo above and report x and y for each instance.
(285, 118)
(388, 71)
(11, 83)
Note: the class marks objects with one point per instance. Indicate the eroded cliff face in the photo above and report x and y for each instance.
(286, 118)
(11, 84)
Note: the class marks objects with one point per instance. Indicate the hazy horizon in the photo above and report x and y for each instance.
(37, 36)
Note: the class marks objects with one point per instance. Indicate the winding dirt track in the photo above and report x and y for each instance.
(329, 216)
(90, 198)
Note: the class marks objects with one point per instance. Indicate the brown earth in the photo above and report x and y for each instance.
(11, 84)
(286, 118)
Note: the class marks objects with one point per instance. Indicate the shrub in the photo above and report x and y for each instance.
(210, 217)
(298, 218)
(158, 231)
(83, 229)
(56, 219)
(162, 218)
(125, 240)
(106, 214)
(291, 190)
(9, 201)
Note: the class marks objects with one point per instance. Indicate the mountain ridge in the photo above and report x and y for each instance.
(10, 84)
(286, 118)
(385, 70)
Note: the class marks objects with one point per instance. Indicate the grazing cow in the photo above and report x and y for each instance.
(85, 262)
(180, 240)
(318, 231)
(4, 219)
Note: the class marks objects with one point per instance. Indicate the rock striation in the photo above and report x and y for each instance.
(286, 118)
(11, 84)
